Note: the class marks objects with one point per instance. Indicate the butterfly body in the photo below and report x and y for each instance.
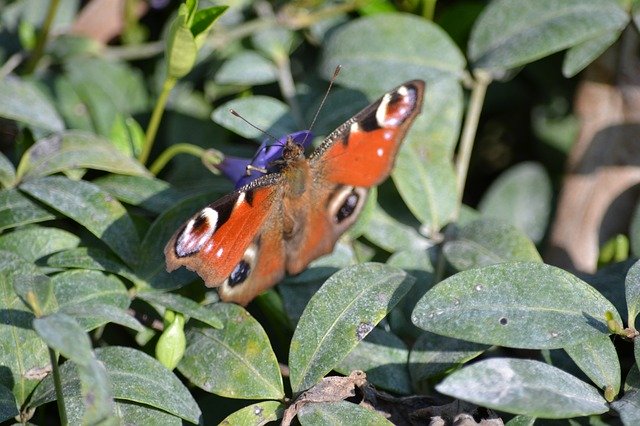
(246, 241)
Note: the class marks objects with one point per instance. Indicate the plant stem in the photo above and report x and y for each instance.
(156, 116)
(288, 88)
(42, 37)
(172, 151)
(470, 127)
(428, 8)
(53, 356)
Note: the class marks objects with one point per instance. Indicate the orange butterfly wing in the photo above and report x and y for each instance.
(215, 240)
(356, 156)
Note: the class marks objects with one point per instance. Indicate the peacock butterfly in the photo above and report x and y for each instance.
(244, 242)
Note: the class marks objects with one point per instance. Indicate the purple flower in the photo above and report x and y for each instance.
(235, 168)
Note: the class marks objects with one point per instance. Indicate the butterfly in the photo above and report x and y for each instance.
(245, 242)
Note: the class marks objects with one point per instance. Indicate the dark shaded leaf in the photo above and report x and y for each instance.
(94, 209)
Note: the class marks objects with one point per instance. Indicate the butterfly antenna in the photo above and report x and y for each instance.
(326, 94)
(234, 112)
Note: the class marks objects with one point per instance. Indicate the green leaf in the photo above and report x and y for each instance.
(130, 413)
(581, 55)
(275, 42)
(89, 288)
(391, 235)
(486, 242)
(73, 150)
(7, 172)
(297, 290)
(181, 304)
(345, 309)
(135, 377)
(140, 378)
(627, 406)
(247, 68)
(256, 414)
(533, 30)
(598, 359)
(108, 87)
(335, 413)
(520, 305)
(433, 355)
(521, 196)
(8, 407)
(92, 208)
(383, 356)
(526, 387)
(63, 334)
(90, 258)
(245, 366)
(181, 49)
(154, 195)
(203, 20)
(379, 52)
(521, 421)
(428, 188)
(22, 353)
(632, 293)
(96, 315)
(17, 209)
(32, 243)
(22, 101)
(34, 289)
(269, 114)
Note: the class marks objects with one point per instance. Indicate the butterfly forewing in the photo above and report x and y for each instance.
(214, 240)
(362, 151)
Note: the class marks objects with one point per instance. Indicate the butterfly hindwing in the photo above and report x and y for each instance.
(358, 155)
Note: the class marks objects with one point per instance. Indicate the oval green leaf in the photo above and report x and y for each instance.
(598, 359)
(522, 386)
(391, 235)
(486, 242)
(532, 30)
(247, 68)
(345, 309)
(154, 195)
(22, 101)
(34, 242)
(137, 377)
(63, 334)
(267, 113)
(90, 258)
(181, 304)
(632, 293)
(236, 361)
(17, 209)
(92, 208)
(335, 414)
(520, 304)
(581, 55)
(256, 414)
(22, 351)
(75, 150)
(521, 196)
(381, 51)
